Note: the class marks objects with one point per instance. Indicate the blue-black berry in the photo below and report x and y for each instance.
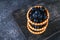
(38, 14)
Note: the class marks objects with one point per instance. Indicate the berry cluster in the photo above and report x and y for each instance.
(38, 14)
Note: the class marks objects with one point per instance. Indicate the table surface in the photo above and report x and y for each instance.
(13, 20)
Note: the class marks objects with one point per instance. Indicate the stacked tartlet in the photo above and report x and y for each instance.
(37, 19)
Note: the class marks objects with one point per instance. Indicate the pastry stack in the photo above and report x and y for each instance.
(37, 19)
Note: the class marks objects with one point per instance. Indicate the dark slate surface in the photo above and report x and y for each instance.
(13, 20)
(9, 30)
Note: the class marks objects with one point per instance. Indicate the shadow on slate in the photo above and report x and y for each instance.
(53, 27)
(21, 21)
(56, 36)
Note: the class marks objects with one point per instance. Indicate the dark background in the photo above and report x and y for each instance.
(13, 20)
